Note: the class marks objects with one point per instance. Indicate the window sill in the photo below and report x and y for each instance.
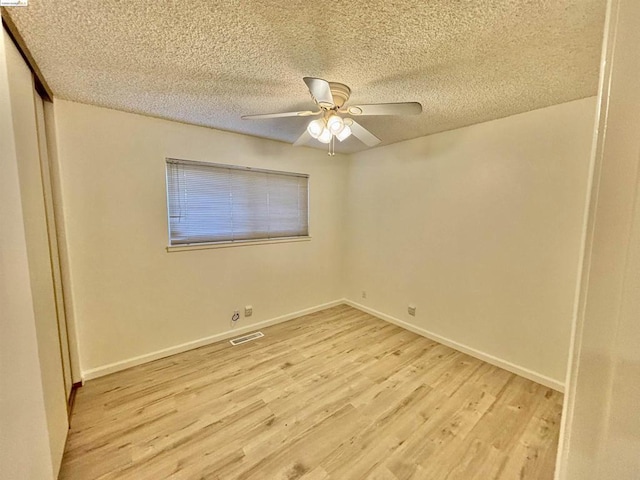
(240, 243)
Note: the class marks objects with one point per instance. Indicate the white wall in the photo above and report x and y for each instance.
(601, 424)
(130, 296)
(480, 228)
(25, 452)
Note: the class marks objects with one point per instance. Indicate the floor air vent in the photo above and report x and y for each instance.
(246, 338)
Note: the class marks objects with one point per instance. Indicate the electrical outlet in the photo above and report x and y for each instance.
(236, 316)
(364, 294)
(248, 311)
(412, 310)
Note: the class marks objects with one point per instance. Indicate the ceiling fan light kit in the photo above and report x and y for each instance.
(335, 124)
(325, 136)
(331, 97)
(344, 133)
(315, 128)
(331, 125)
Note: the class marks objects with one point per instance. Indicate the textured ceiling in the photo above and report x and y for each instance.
(209, 62)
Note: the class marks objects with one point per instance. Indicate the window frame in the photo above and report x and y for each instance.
(233, 243)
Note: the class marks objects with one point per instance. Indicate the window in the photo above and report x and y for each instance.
(211, 203)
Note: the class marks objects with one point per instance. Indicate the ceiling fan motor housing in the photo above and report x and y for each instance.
(340, 93)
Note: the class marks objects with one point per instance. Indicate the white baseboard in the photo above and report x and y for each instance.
(511, 367)
(149, 357)
(166, 352)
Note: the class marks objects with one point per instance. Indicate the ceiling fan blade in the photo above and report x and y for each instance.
(307, 113)
(361, 133)
(404, 108)
(302, 139)
(320, 91)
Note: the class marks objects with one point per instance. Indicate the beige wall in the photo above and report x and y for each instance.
(130, 297)
(480, 228)
(25, 450)
(601, 423)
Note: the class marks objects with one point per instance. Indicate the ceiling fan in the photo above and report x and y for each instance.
(331, 97)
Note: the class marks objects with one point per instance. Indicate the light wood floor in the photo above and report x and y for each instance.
(337, 394)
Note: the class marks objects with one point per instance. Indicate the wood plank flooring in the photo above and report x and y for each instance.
(337, 395)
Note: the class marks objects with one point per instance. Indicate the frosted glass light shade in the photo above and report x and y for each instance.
(344, 133)
(325, 136)
(335, 124)
(315, 128)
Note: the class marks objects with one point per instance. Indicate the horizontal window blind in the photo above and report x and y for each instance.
(219, 203)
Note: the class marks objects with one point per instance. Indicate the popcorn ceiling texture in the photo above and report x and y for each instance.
(209, 62)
